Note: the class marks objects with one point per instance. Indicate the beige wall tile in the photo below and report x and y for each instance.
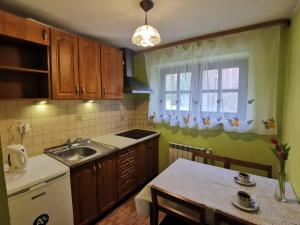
(57, 121)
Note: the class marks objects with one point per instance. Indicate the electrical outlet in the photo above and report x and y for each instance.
(24, 128)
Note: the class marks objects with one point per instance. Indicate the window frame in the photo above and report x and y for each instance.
(178, 70)
(242, 64)
(242, 91)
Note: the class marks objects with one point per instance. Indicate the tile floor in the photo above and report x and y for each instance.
(125, 214)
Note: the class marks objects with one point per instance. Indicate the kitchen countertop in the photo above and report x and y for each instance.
(116, 142)
(121, 142)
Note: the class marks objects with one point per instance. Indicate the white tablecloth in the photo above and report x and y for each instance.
(215, 188)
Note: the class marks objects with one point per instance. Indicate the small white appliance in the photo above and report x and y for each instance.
(17, 158)
(42, 195)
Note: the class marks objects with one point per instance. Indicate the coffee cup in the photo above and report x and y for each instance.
(244, 199)
(244, 177)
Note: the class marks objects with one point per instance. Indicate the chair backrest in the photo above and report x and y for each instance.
(224, 218)
(252, 165)
(157, 206)
(213, 158)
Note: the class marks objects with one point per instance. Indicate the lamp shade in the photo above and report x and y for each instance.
(145, 36)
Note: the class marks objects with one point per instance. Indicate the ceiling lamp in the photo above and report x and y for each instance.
(146, 35)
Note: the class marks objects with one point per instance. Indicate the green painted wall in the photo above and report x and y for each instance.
(4, 216)
(291, 122)
(249, 147)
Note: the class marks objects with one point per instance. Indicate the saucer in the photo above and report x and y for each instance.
(253, 208)
(250, 183)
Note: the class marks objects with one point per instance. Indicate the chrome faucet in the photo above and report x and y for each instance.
(70, 144)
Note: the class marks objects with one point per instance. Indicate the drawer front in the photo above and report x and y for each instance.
(126, 153)
(21, 28)
(126, 185)
(126, 162)
(127, 172)
(126, 165)
(127, 158)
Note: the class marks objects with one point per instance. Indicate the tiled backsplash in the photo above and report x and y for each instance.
(53, 123)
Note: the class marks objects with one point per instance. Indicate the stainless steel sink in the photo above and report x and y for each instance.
(80, 152)
(76, 153)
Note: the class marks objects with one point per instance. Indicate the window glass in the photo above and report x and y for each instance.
(171, 82)
(229, 103)
(184, 101)
(209, 102)
(185, 81)
(230, 78)
(171, 101)
(210, 79)
(221, 91)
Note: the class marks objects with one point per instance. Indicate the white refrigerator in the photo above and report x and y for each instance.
(41, 195)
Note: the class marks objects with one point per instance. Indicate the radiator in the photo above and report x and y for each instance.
(183, 151)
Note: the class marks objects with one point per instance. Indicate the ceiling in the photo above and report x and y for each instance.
(114, 21)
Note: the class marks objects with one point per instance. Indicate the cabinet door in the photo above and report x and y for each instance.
(107, 183)
(21, 28)
(64, 65)
(152, 148)
(111, 72)
(84, 193)
(143, 163)
(89, 69)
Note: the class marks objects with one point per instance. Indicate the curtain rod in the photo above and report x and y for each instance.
(219, 34)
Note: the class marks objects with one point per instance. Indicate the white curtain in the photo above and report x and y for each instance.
(225, 83)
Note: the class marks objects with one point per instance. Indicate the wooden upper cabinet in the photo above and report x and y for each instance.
(64, 65)
(111, 72)
(89, 69)
(25, 29)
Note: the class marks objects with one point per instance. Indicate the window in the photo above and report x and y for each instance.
(177, 91)
(221, 89)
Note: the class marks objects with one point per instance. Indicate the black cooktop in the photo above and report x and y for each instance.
(136, 133)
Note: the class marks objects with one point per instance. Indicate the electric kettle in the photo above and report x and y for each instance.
(17, 158)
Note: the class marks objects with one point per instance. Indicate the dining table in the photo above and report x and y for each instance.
(215, 188)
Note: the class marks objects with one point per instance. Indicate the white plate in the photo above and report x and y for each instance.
(254, 207)
(250, 183)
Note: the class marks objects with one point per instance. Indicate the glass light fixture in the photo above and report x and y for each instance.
(146, 35)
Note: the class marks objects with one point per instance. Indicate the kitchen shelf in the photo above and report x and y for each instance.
(25, 70)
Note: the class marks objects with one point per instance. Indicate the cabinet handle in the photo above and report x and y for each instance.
(82, 89)
(45, 35)
(77, 89)
(99, 166)
(104, 90)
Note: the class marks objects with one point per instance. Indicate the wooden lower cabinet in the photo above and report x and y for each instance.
(147, 160)
(94, 189)
(107, 183)
(152, 157)
(127, 171)
(84, 193)
(97, 186)
(143, 163)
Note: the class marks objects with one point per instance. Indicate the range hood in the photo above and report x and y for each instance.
(131, 84)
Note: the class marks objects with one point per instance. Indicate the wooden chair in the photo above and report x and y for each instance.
(222, 218)
(258, 166)
(213, 158)
(174, 216)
